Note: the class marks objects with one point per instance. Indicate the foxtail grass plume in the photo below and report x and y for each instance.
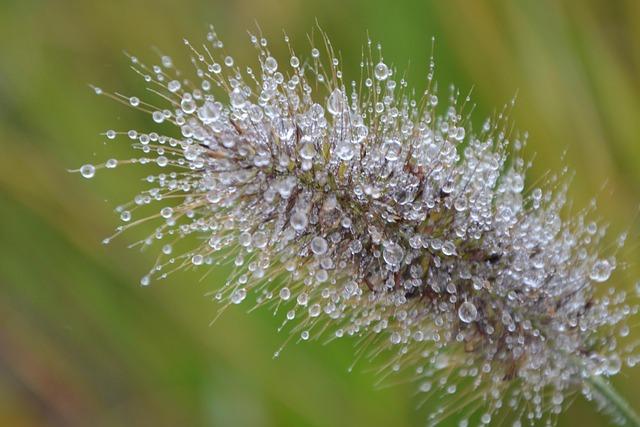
(358, 209)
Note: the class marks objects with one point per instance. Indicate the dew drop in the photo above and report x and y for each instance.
(335, 102)
(270, 65)
(162, 161)
(381, 71)
(314, 310)
(238, 295)
(87, 171)
(285, 294)
(174, 86)
(467, 312)
(391, 149)
(166, 212)
(319, 245)
(600, 271)
(393, 254)
(299, 220)
(188, 105)
(307, 151)
(345, 151)
(157, 116)
(237, 98)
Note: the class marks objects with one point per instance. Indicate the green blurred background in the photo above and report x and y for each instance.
(82, 344)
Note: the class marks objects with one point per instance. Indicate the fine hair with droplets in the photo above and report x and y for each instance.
(358, 209)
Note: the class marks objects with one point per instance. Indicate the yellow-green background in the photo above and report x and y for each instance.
(82, 344)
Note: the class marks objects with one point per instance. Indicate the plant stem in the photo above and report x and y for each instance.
(622, 408)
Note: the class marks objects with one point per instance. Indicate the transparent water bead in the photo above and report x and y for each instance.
(314, 310)
(157, 116)
(319, 245)
(237, 98)
(270, 65)
(260, 239)
(307, 151)
(335, 102)
(391, 149)
(285, 294)
(299, 221)
(381, 71)
(166, 212)
(238, 295)
(209, 112)
(467, 312)
(188, 105)
(345, 151)
(87, 171)
(600, 271)
(174, 86)
(393, 254)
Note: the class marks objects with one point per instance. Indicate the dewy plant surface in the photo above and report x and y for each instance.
(357, 209)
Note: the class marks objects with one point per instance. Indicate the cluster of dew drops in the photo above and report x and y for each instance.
(359, 209)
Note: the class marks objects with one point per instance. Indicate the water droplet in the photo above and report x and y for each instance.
(335, 102)
(87, 171)
(319, 245)
(166, 212)
(393, 254)
(270, 65)
(157, 116)
(345, 151)
(391, 149)
(600, 271)
(260, 239)
(238, 295)
(237, 98)
(285, 294)
(467, 312)
(381, 71)
(188, 105)
(299, 220)
(174, 86)
(395, 338)
(209, 112)
(314, 310)
(307, 151)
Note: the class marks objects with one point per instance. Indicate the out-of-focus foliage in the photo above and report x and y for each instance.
(82, 344)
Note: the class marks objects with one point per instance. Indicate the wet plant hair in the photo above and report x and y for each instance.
(354, 208)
